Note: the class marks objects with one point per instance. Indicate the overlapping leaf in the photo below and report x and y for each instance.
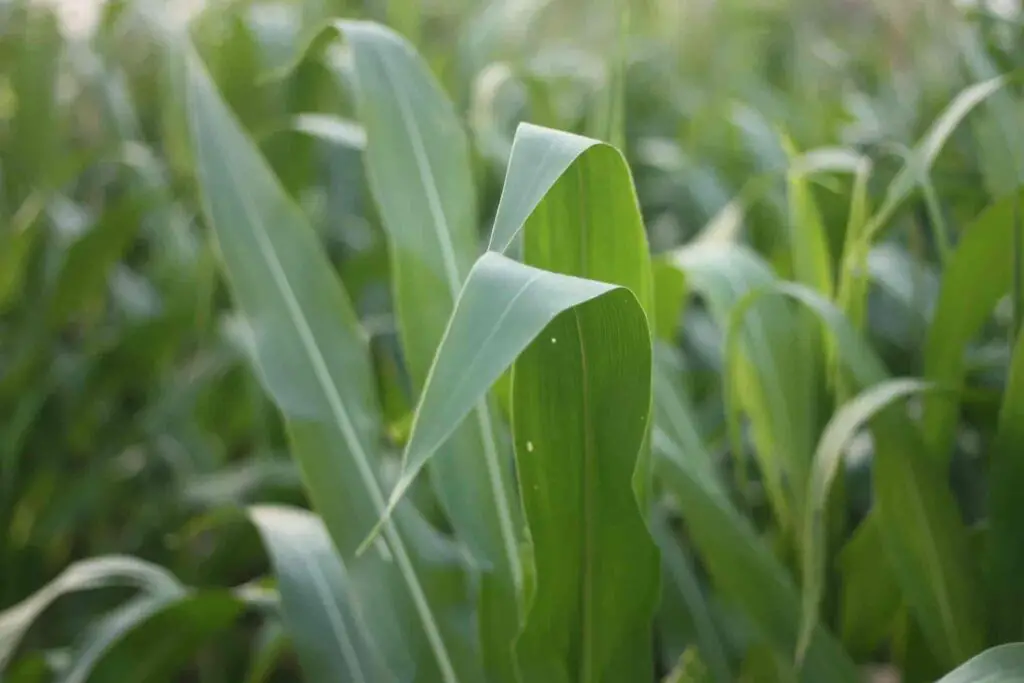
(310, 356)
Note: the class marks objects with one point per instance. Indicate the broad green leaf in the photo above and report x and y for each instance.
(1000, 664)
(311, 357)
(88, 574)
(1005, 547)
(415, 142)
(581, 395)
(845, 423)
(581, 405)
(978, 274)
(321, 604)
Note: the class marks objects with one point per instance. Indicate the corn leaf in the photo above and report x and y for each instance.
(581, 405)
(151, 638)
(311, 357)
(323, 607)
(572, 200)
(99, 572)
(1004, 545)
(415, 142)
(978, 274)
(845, 423)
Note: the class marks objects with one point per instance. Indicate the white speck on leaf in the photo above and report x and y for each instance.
(529, 447)
(553, 340)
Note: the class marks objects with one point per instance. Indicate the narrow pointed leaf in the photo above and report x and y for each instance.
(414, 141)
(310, 355)
(923, 536)
(847, 421)
(978, 274)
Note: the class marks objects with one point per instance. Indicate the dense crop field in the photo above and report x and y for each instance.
(511, 341)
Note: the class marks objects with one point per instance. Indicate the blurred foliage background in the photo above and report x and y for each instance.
(129, 421)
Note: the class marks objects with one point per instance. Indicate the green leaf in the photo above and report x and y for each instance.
(924, 537)
(1000, 664)
(845, 423)
(415, 142)
(679, 569)
(580, 409)
(918, 165)
(1004, 545)
(767, 376)
(978, 274)
(581, 403)
(83, 275)
(151, 639)
(309, 352)
(504, 304)
(574, 203)
(322, 606)
(870, 594)
(99, 572)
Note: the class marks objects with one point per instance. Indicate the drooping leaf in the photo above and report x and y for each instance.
(99, 572)
(581, 403)
(845, 423)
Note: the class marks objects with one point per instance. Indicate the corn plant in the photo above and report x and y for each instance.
(575, 457)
